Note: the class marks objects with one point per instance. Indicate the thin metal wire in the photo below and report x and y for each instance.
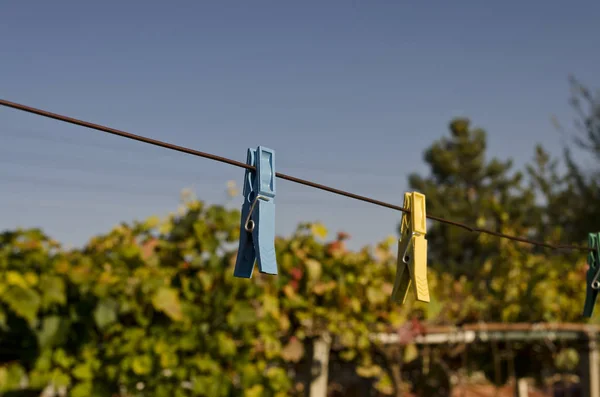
(290, 178)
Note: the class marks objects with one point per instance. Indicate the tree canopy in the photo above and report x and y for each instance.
(488, 278)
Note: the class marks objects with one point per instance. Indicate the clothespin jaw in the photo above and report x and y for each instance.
(593, 274)
(412, 251)
(257, 229)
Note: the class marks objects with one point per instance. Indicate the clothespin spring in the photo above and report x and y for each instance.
(406, 258)
(249, 225)
(595, 283)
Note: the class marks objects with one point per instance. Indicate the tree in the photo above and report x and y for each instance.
(583, 195)
(486, 278)
(464, 186)
(586, 105)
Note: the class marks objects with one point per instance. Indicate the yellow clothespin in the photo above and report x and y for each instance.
(412, 251)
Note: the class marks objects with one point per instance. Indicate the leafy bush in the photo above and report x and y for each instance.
(152, 308)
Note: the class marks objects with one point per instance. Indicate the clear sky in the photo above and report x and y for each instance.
(348, 93)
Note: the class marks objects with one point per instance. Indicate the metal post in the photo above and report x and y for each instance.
(589, 366)
(594, 367)
(522, 388)
(318, 384)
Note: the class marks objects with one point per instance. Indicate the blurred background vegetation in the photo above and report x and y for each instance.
(152, 308)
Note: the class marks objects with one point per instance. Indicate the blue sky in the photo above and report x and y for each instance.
(347, 93)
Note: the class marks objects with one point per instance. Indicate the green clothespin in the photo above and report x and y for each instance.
(593, 274)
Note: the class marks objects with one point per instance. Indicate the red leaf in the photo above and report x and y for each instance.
(296, 273)
(343, 236)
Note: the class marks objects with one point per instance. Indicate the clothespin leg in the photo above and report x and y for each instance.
(421, 285)
(264, 237)
(590, 301)
(593, 263)
(403, 278)
(246, 255)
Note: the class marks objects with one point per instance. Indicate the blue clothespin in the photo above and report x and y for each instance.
(593, 274)
(257, 229)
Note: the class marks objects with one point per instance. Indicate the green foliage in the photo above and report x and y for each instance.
(462, 185)
(485, 278)
(153, 308)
